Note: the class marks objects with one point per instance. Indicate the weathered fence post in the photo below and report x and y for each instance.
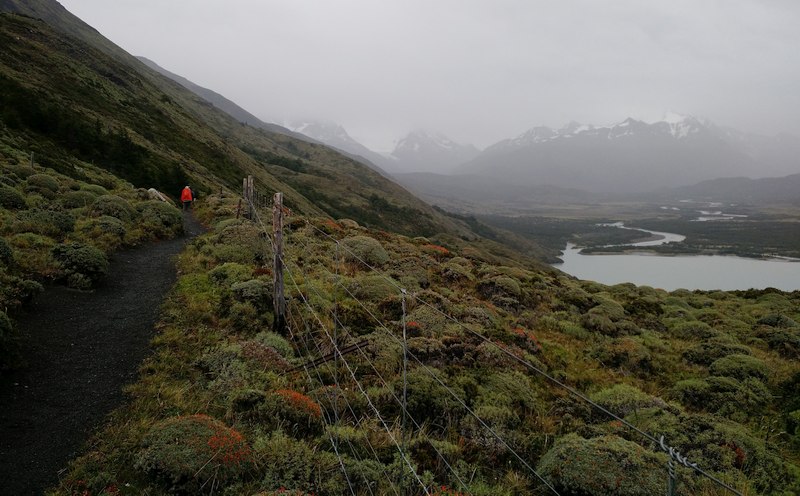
(247, 192)
(278, 299)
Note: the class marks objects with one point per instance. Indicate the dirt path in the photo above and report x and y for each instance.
(81, 348)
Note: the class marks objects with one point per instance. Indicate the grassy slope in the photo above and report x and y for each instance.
(174, 134)
(656, 358)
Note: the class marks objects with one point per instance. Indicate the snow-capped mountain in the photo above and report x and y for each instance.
(431, 152)
(634, 155)
(334, 135)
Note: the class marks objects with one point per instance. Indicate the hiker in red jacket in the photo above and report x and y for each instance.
(187, 197)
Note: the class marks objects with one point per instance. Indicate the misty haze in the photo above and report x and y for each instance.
(398, 247)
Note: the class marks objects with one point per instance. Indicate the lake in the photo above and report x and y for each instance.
(674, 272)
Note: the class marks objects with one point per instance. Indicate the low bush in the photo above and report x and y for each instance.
(623, 399)
(784, 341)
(51, 223)
(95, 189)
(725, 396)
(77, 199)
(11, 199)
(359, 249)
(160, 219)
(6, 253)
(229, 273)
(777, 320)
(372, 288)
(83, 266)
(105, 232)
(602, 466)
(692, 329)
(186, 453)
(293, 467)
(113, 206)
(712, 350)
(740, 367)
(276, 342)
(43, 184)
(255, 291)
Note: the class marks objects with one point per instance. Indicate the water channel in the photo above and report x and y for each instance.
(673, 272)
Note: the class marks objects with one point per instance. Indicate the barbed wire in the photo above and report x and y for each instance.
(525, 363)
(656, 441)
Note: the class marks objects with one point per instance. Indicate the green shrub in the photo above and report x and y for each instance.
(6, 253)
(358, 249)
(429, 401)
(37, 250)
(255, 291)
(160, 219)
(596, 322)
(784, 341)
(740, 367)
(372, 288)
(113, 206)
(77, 199)
(51, 223)
(43, 183)
(708, 352)
(724, 395)
(454, 271)
(83, 265)
(622, 400)
(95, 189)
(500, 286)
(293, 465)
(276, 342)
(626, 352)
(186, 453)
(603, 466)
(693, 329)
(608, 307)
(777, 320)
(11, 199)
(104, 232)
(229, 273)
(22, 171)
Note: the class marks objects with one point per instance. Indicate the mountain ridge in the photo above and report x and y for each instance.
(629, 156)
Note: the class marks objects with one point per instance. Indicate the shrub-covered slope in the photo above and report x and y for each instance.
(69, 95)
(228, 406)
(54, 228)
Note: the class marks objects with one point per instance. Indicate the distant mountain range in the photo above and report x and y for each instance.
(430, 152)
(768, 190)
(632, 156)
(629, 157)
(635, 156)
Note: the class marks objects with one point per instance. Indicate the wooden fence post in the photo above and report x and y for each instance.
(278, 299)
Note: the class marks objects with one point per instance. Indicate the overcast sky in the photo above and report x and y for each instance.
(476, 70)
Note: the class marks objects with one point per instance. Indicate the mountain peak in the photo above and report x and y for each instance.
(431, 151)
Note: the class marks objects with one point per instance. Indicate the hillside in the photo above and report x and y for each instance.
(514, 378)
(71, 102)
(763, 191)
(499, 361)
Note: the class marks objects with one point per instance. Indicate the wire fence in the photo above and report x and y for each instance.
(328, 323)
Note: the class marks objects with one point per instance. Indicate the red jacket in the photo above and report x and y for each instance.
(186, 194)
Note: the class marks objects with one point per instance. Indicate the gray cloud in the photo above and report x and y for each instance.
(478, 71)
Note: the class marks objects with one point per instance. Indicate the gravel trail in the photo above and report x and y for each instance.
(80, 348)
